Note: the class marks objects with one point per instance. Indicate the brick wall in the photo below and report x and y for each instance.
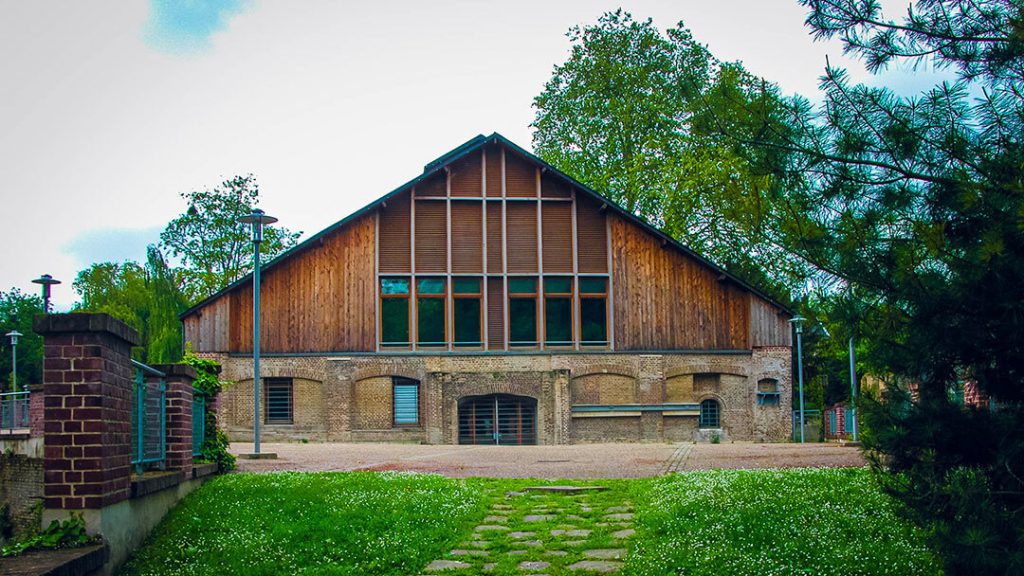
(21, 491)
(350, 398)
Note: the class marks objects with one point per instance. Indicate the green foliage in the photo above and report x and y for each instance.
(636, 114)
(68, 533)
(208, 382)
(146, 297)
(214, 247)
(16, 312)
(761, 522)
(290, 523)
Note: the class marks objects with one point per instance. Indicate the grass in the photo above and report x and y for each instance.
(764, 522)
(805, 521)
(296, 523)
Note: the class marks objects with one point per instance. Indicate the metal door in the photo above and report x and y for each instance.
(498, 419)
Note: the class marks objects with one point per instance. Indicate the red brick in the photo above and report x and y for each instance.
(57, 489)
(72, 426)
(73, 503)
(88, 439)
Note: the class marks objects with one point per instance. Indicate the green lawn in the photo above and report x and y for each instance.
(297, 523)
(764, 522)
(714, 522)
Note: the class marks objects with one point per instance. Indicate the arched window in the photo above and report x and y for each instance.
(709, 414)
(768, 392)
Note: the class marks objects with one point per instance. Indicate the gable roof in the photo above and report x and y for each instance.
(437, 165)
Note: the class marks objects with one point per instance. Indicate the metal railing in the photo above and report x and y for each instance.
(198, 422)
(14, 410)
(812, 425)
(149, 418)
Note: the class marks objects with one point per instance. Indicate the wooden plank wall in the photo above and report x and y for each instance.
(321, 299)
(208, 330)
(768, 327)
(666, 300)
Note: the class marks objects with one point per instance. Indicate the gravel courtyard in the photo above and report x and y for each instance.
(583, 461)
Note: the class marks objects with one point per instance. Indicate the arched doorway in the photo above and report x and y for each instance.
(498, 419)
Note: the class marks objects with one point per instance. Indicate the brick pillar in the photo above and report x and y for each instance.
(179, 416)
(35, 410)
(87, 381)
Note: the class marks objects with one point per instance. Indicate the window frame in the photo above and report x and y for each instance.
(535, 296)
(479, 297)
(570, 297)
(593, 344)
(443, 296)
(408, 312)
(702, 423)
(275, 382)
(397, 381)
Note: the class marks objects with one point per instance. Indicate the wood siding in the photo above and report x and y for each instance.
(556, 223)
(394, 245)
(522, 237)
(208, 330)
(768, 326)
(592, 234)
(467, 232)
(431, 236)
(321, 299)
(667, 300)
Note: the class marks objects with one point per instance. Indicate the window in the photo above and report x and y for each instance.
(558, 311)
(430, 312)
(768, 392)
(394, 312)
(832, 422)
(468, 320)
(406, 394)
(593, 311)
(522, 312)
(709, 414)
(277, 407)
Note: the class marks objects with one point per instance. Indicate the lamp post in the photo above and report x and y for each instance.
(13, 335)
(798, 323)
(257, 220)
(46, 280)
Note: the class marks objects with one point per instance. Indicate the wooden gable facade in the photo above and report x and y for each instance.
(490, 250)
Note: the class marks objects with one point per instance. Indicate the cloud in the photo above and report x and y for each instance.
(186, 26)
(111, 245)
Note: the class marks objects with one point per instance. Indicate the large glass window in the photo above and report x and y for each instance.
(558, 311)
(593, 311)
(468, 321)
(430, 312)
(709, 414)
(522, 312)
(394, 312)
(406, 394)
(277, 406)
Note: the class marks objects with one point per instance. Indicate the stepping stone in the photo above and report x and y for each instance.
(565, 489)
(619, 509)
(502, 507)
(538, 518)
(622, 516)
(527, 543)
(476, 544)
(441, 565)
(521, 534)
(627, 533)
(491, 528)
(461, 552)
(574, 542)
(517, 552)
(606, 553)
(533, 565)
(556, 553)
(574, 517)
(571, 533)
(490, 566)
(513, 494)
(586, 509)
(496, 519)
(604, 566)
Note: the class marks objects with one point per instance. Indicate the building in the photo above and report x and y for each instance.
(493, 299)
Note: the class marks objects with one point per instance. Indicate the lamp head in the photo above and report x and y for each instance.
(258, 219)
(13, 335)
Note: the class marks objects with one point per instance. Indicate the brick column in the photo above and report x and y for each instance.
(87, 381)
(179, 416)
(35, 410)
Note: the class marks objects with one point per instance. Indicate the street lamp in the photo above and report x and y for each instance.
(798, 323)
(257, 220)
(46, 280)
(13, 335)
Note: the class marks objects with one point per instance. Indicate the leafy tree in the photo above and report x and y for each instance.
(17, 310)
(915, 204)
(639, 114)
(214, 248)
(146, 297)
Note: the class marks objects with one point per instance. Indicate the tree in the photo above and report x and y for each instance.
(214, 248)
(638, 115)
(146, 297)
(915, 205)
(17, 310)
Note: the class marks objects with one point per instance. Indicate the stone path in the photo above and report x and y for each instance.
(544, 535)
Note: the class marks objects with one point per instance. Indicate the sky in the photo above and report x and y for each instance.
(110, 110)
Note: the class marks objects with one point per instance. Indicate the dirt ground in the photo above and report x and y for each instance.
(582, 461)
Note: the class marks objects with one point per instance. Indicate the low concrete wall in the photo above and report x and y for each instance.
(125, 525)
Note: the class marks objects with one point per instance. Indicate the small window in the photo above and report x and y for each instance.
(593, 311)
(394, 312)
(709, 414)
(468, 321)
(522, 312)
(277, 407)
(558, 311)
(406, 393)
(768, 392)
(430, 312)
(522, 285)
